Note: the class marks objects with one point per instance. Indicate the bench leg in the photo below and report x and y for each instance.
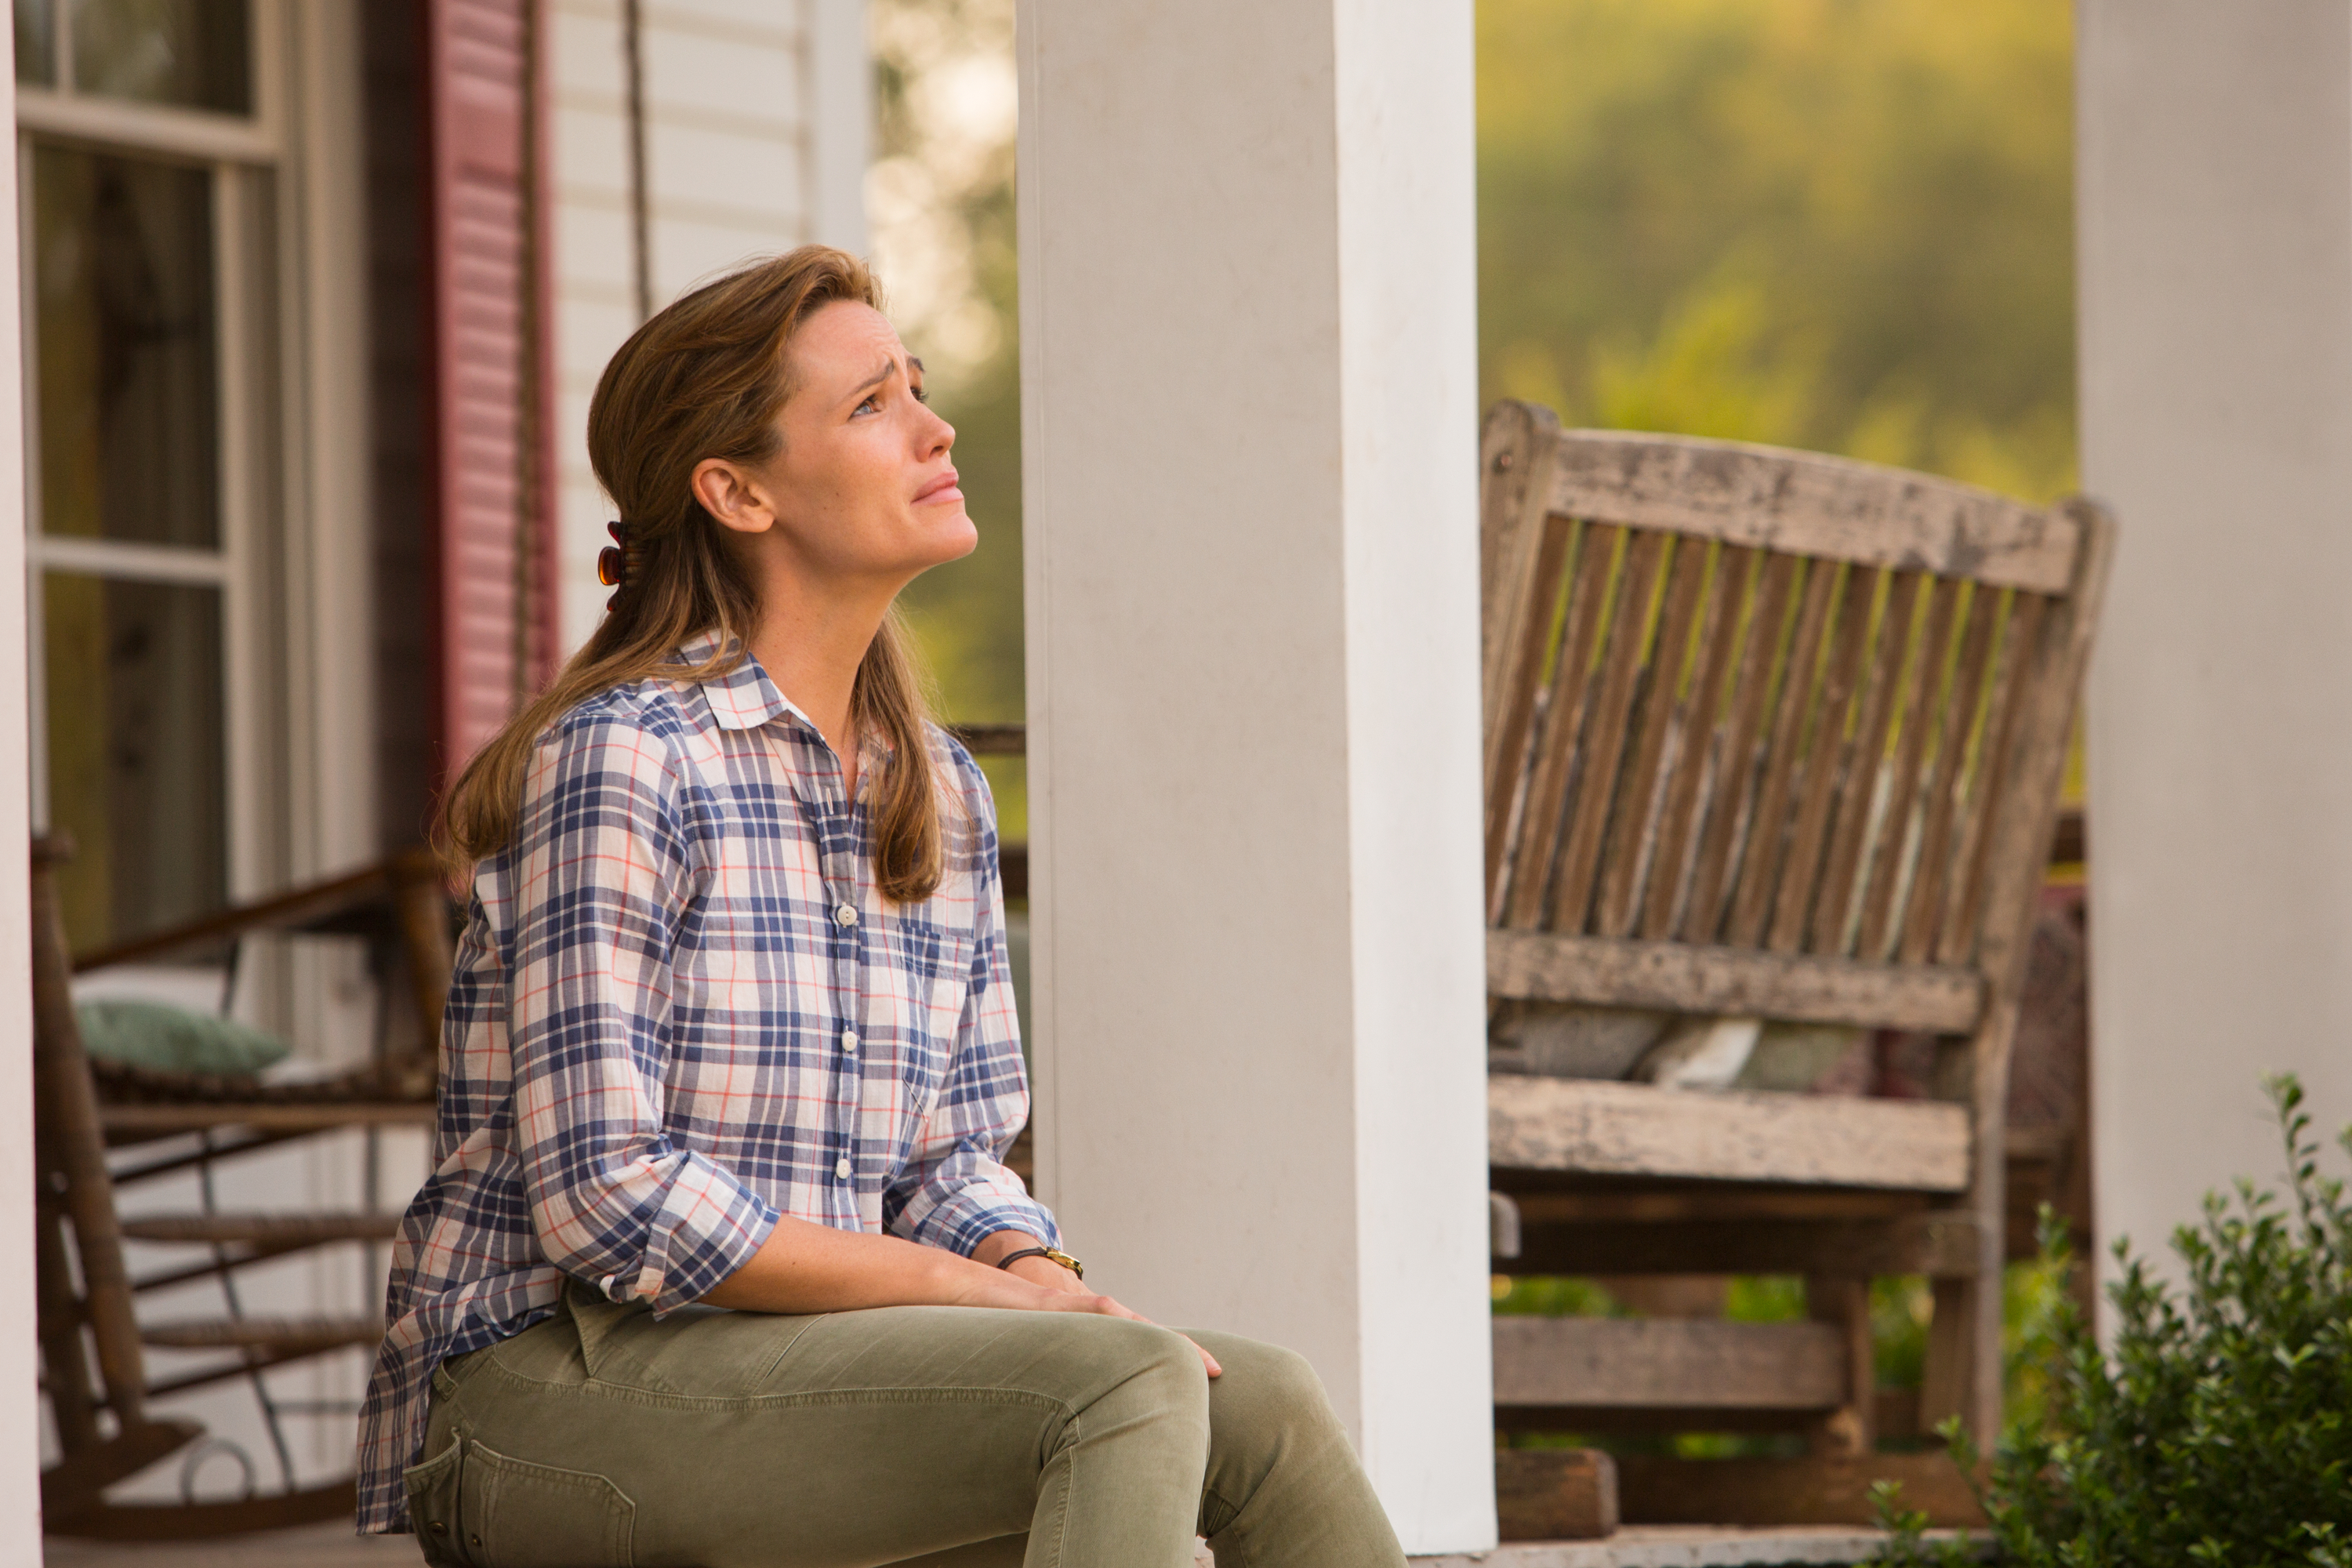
(1962, 1376)
(1846, 1432)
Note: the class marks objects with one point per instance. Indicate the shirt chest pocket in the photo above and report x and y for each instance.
(932, 967)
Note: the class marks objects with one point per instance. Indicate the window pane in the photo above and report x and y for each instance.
(122, 261)
(137, 757)
(194, 53)
(36, 22)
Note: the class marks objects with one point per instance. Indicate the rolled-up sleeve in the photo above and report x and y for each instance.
(955, 1190)
(604, 880)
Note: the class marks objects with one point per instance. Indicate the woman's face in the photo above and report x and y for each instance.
(862, 488)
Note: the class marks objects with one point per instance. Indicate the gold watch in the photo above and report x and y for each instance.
(1050, 1254)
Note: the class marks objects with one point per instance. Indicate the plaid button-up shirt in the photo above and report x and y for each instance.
(682, 1009)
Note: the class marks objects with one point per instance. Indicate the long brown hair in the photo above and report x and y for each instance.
(706, 377)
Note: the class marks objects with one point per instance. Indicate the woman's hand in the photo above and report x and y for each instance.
(1046, 1272)
(1068, 1294)
(804, 1267)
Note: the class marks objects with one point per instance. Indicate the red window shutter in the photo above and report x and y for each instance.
(493, 485)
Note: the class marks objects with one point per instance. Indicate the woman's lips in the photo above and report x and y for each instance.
(942, 489)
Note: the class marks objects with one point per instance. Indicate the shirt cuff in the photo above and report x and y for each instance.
(709, 1226)
(969, 1211)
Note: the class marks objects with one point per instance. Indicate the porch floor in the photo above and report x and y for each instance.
(1635, 1546)
(1684, 1546)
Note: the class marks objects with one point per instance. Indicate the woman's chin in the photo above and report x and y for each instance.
(951, 540)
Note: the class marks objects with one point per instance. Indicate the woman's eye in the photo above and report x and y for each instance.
(872, 403)
(921, 396)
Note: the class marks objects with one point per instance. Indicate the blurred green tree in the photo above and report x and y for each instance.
(1845, 224)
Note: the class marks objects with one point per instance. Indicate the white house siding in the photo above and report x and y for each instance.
(755, 141)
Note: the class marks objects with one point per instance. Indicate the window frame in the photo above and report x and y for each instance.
(291, 299)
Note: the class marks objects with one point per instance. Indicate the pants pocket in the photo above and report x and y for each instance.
(517, 1514)
(432, 1505)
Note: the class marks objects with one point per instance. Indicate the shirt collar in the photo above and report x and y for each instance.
(743, 698)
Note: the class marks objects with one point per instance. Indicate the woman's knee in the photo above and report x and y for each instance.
(1282, 1472)
(1141, 1385)
(1268, 1402)
(1270, 1375)
(1098, 1363)
(1156, 1364)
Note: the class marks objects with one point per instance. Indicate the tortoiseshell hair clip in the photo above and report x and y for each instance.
(618, 563)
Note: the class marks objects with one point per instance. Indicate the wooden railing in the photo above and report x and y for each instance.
(1002, 741)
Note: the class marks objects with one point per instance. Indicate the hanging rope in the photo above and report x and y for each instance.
(532, 637)
(632, 63)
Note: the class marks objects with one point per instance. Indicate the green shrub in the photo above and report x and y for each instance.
(2217, 1426)
(1907, 1545)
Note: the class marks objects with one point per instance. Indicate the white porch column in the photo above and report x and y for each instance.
(1248, 362)
(2216, 267)
(20, 1405)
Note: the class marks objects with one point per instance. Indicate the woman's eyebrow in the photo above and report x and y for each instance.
(889, 368)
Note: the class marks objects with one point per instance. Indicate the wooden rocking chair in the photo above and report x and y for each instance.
(92, 1340)
(1769, 735)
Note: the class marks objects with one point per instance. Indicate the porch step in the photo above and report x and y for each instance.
(1693, 1546)
(284, 1337)
(274, 1231)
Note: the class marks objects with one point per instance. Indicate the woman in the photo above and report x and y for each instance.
(719, 1264)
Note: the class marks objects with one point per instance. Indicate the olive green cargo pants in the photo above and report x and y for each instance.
(952, 1436)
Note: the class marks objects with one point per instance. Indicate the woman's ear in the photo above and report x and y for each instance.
(732, 496)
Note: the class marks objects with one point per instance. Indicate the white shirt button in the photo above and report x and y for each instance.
(848, 1039)
(841, 1167)
(845, 915)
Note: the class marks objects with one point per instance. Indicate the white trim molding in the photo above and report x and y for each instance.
(20, 1400)
(840, 143)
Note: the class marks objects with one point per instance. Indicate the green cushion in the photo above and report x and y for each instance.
(172, 1039)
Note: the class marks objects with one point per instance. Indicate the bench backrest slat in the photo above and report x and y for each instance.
(1809, 504)
(1766, 702)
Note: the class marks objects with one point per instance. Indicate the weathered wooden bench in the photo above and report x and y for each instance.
(1777, 735)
